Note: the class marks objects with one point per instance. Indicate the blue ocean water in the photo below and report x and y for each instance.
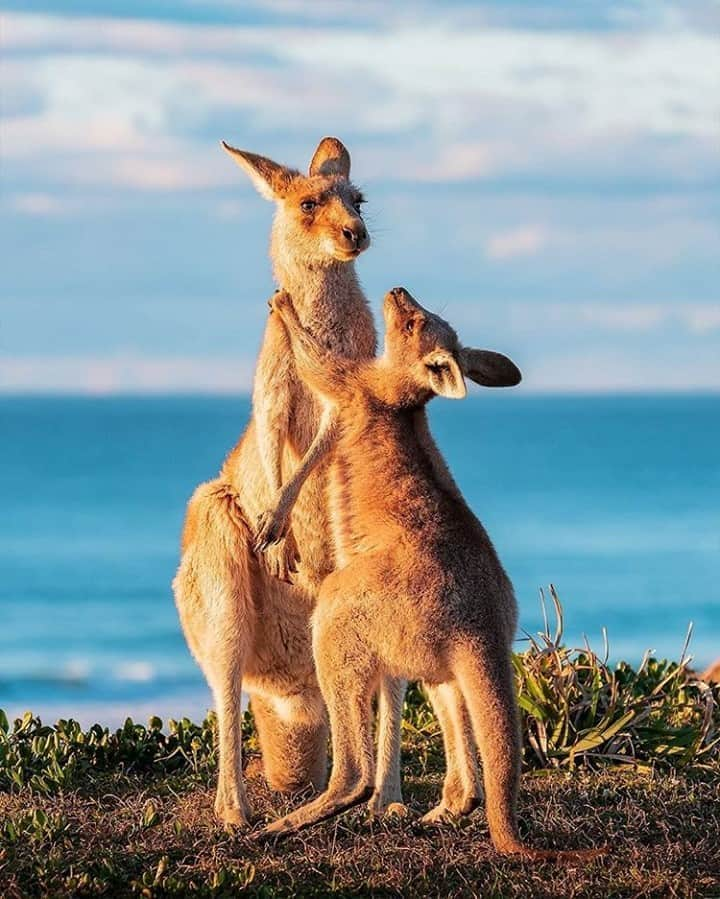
(616, 500)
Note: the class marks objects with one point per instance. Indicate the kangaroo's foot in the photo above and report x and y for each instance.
(235, 813)
(331, 803)
(388, 804)
(391, 810)
(448, 811)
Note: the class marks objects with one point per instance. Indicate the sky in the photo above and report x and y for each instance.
(544, 174)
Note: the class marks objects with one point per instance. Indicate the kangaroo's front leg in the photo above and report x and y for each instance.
(272, 402)
(274, 524)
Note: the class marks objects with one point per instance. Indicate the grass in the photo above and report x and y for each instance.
(613, 755)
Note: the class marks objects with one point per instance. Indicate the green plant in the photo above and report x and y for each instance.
(577, 709)
(47, 759)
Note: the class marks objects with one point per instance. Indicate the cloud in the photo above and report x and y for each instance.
(536, 153)
(159, 174)
(484, 101)
(621, 318)
(703, 319)
(601, 370)
(39, 204)
(691, 324)
(587, 370)
(525, 241)
(613, 318)
(106, 375)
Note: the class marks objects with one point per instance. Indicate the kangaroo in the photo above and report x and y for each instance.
(244, 623)
(712, 674)
(419, 592)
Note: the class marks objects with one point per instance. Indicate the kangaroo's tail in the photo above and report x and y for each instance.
(485, 678)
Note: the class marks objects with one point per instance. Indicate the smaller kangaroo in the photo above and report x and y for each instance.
(419, 592)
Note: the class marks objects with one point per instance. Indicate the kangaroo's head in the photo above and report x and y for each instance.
(426, 351)
(319, 220)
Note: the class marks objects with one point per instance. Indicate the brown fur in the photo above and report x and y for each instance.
(246, 626)
(420, 592)
(712, 673)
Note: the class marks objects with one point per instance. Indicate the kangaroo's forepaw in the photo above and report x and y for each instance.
(285, 559)
(276, 541)
(280, 300)
(271, 529)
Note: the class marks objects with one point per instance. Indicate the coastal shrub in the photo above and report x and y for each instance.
(578, 710)
(47, 759)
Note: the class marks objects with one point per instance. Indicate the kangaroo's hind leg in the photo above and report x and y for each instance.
(212, 588)
(348, 677)
(387, 798)
(461, 788)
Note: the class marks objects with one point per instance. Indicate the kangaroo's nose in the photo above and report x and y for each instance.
(356, 235)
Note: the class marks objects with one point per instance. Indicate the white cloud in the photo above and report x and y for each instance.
(625, 317)
(479, 100)
(703, 319)
(104, 375)
(616, 371)
(159, 174)
(525, 241)
(585, 319)
(587, 370)
(39, 204)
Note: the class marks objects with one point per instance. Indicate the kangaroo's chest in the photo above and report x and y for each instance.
(350, 335)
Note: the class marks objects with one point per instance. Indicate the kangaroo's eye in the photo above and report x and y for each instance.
(357, 204)
(410, 326)
(308, 205)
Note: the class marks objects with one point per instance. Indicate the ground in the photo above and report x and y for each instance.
(615, 756)
(136, 835)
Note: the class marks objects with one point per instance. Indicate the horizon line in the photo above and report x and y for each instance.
(247, 393)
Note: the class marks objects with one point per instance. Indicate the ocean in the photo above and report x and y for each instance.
(614, 500)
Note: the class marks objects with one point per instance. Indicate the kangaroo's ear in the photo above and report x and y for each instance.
(489, 369)
(445, 376)
(271, 180)
(330, 158)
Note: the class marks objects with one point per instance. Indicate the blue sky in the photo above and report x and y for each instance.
(545, 173)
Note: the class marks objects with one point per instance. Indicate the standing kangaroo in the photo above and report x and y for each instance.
(419, 591)
(246, 626)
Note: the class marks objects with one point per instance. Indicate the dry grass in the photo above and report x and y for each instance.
(138, 836)
(613, 756)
